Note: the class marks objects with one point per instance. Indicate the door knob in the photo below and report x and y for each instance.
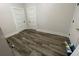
(73, 21)
(77, 29)
(24, 21)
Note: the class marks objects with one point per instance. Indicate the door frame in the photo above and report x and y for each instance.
(14, 19)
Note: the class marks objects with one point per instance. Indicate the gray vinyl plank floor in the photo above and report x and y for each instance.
(34, 43)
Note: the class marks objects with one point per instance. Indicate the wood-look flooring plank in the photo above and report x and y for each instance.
(29, 42)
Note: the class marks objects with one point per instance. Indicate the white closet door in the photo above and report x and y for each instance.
(31, 17)
(74, 34)
(20, 19)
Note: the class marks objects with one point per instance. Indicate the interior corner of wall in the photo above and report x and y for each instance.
(8, 35)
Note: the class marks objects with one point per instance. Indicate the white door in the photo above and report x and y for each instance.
(20, 19)
(74, 34)
(31, 17)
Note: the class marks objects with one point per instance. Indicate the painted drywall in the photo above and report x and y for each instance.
(4, 47)
(6, 18)
(55, 18)
(52, 18)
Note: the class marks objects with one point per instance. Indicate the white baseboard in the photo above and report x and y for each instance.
(6, 36)
(51, 32)
(57, 33)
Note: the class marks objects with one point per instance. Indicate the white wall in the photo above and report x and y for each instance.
(6, 18)
(55, 18)
(52, 18)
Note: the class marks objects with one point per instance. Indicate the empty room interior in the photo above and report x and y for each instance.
(39, 29)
